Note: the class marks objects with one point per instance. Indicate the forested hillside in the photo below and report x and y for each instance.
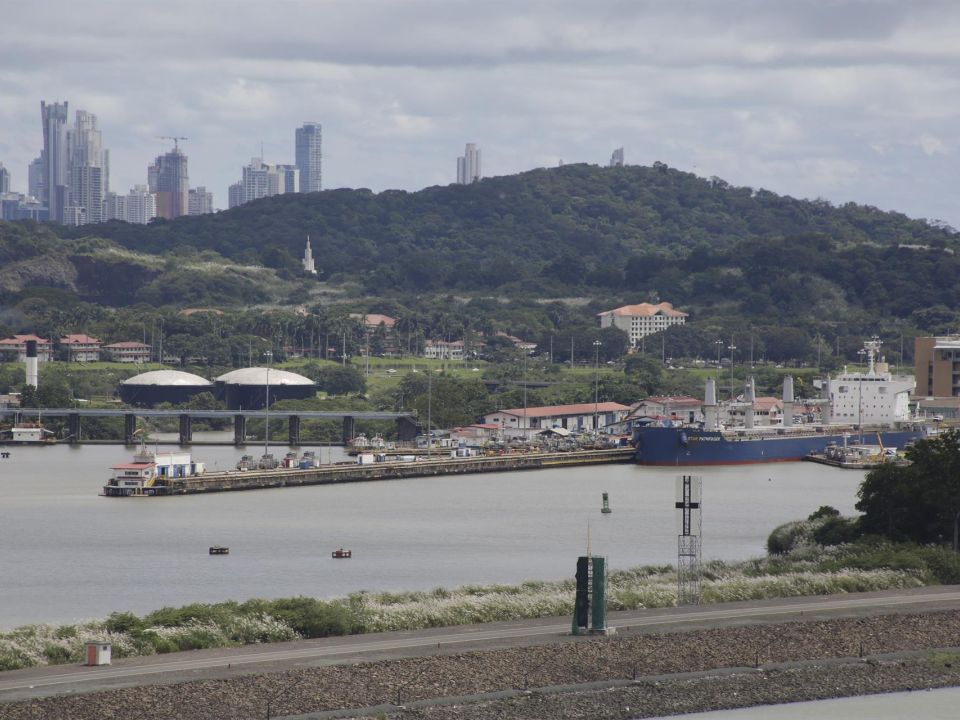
(542, 231)
(614, 234)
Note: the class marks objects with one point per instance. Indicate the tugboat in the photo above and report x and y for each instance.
(341, 554)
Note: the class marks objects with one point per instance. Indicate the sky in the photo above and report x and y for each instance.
(847, 100)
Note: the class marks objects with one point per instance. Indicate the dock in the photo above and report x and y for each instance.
(357, 472)
(852, 464)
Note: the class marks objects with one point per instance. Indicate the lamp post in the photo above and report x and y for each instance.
(731, 347)
(719, 344)
(526, 420)
(596, 381)
(861, 352)
(266, 429)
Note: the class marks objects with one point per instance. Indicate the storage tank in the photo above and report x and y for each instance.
(159, 386)
(247, 388)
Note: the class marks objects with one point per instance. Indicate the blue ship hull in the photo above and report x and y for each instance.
(692, 446)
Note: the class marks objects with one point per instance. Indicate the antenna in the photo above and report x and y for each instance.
(175, 138)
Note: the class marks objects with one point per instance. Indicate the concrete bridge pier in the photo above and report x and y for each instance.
(293, 427)
(129, 428)
(186, 429)
(73, 427)
(407, 429)
(239, 429)
(348, 429)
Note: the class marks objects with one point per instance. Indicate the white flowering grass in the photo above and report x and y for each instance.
(806, 570)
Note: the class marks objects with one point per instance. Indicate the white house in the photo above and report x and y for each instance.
(638, 321)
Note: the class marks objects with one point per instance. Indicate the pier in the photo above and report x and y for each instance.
(406, 422)
(356, 472)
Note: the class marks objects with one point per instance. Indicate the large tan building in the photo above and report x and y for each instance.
(641, 320)
(937, 366)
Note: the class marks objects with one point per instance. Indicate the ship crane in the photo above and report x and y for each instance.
(176, 139)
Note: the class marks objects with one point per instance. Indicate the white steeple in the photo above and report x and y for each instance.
(308, 265)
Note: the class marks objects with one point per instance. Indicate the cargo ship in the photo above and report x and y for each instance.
(872, 404)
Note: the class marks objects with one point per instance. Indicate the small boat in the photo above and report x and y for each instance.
(247, 462)
(219, 550)
(341, 554)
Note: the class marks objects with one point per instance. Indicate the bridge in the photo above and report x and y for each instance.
(406, 422)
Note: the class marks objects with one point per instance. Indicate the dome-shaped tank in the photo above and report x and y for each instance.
(247, 388)
(159, 386)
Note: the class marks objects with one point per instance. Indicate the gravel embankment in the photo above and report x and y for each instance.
(614, 658)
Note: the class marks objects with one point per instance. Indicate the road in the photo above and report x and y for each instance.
(202, 664)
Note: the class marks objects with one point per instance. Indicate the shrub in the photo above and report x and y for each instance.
(837, 531)
(122, 622)
(787, 537)
(57, 654)
(825, 512)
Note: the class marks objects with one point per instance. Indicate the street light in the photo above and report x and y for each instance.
(596, 381)
(731, 347)
(719, 344)
(861, 352)
(266, 429)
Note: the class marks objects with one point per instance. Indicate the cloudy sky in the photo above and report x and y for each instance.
(841, 99)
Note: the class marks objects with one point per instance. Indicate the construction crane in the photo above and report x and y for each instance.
(175, 138)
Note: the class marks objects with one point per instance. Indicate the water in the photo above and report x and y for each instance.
(930, 704)
(67, 554)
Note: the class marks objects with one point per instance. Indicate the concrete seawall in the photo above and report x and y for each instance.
(347, 472)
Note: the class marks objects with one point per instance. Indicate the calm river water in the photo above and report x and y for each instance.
(67, 554)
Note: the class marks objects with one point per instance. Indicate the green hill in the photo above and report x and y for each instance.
(630, 232)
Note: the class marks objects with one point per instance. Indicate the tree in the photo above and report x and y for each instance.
(920, 501)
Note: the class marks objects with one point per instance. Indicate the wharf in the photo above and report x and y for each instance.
(356, 472)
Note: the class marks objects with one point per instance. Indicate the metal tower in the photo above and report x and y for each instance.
(688, 504)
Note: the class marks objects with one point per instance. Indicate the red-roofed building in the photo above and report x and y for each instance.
(641, 320)
(572, 417)
(128, 352)
(81, 348)
(18, 344)
(374, 320)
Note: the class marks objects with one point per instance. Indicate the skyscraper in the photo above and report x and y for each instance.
(168, 178)
(88, 173)
(55, 180)
(309, 156)
(138, 206)
(4, 179)
(616, 159)
(468, 166)
(200, 201)
(35, 178)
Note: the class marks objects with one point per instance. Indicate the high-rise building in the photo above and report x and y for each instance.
(88, 164)
(55, 176)
(200, 201)
(235, 195)
(73, 167)
(35, 178)
(169, 180)
(309, 156)
(262, 180)
(468, 166)
(291, 177)
(616, 160)
(4, 179)
(138, 206)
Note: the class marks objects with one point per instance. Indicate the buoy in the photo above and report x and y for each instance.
(606, 504)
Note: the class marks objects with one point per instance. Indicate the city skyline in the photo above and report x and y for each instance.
(846, 101)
